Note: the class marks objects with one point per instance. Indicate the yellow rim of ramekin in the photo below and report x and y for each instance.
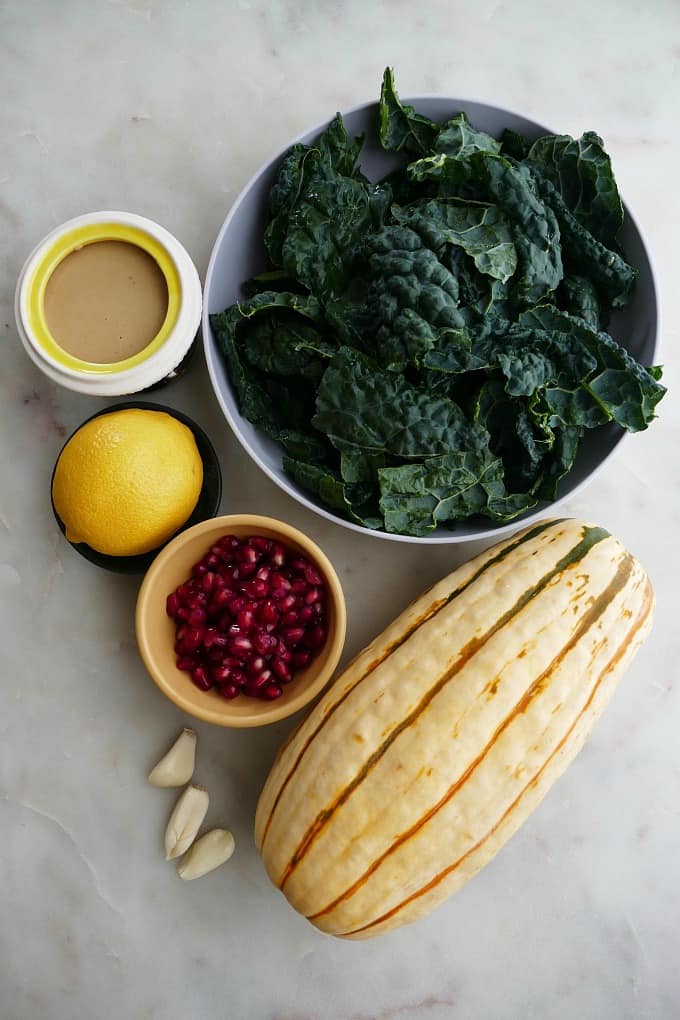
(70, 242)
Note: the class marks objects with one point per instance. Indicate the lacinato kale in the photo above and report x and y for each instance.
(431, 346)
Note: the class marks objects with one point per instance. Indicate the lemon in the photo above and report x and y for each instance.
(126, 481)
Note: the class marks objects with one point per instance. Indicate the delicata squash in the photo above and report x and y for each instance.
(434, 745)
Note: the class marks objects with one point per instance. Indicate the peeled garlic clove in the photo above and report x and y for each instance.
(185, 821)
(206, 854)
(176, 767)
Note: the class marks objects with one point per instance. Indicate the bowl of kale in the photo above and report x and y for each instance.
(432, 319)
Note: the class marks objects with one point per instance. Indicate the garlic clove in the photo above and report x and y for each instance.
(176, 767)
(207, 853)
(185, 821)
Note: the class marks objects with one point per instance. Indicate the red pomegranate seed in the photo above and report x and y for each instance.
(298, 587)
(240, 645)
(196, 617)
(201, 678)
(290, 619)
(211, 561)
(312, 576)
(245, 619)
(315, 637)
(220, 600)
(282, 670)
(220, 674)
(301, 659)
(198, 569)
(192, 639)
(215, 656)
(196, 600)
(247, 554)
(264, 574)
(272, 691)
(230, 542)
(277, 557)
(299, 564)
(186, 663)
(230, 690)
(239, 678)
(172, 605)
(268, 613)
(254, 665)
(260, 543)
(284, 653)
(280, 585)
(237, 603)
(264, 643)
(305, 614)
(312, 595)
(257, 588)
(292, 635)
(286, 603)
(247, 570)
(212, 638)
(208, 581)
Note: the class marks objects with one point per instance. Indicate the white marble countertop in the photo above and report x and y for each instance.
(166, 108)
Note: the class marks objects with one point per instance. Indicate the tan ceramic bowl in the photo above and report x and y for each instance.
(156, 631)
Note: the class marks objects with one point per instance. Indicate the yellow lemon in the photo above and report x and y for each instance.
(126, 481)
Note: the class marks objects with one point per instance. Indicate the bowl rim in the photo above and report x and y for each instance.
(139, 563)
(263, 712)
(210, 349)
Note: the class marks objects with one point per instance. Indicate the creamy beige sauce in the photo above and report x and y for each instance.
(106, 301)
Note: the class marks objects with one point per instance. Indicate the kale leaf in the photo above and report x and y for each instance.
(431, 346)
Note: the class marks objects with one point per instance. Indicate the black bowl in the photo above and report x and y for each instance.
(208, 501)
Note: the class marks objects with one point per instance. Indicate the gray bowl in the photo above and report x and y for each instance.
(239, 253)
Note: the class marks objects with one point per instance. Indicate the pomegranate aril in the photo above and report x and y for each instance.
(237, 603)
(247, 554)
(215, 656)
(264, 643)
(299, 564)
(277, 556)
(292, 635)
(220, 674)
(196, 617)
(254, 684)
(301, 659)
(198, 569)
(196, 600)
(230, 690)
(272, 691)
(247, 570)
(245, 619)
(238, 677)
(172, 605)
(214, 639)
(280, 585)
(312, 576)
(264, 574)
(312, 595)
(305, 614)
(268, 612)
(284, 653)
(282, 670)
(254, 665)
(192, 638)
(182, 614)
(201, 679)
(290, 619)
(261, 543)
(298, 586)
(211, 561)
(208, 580)
(230, 542)
(257, 588)
(186, 663)
(286, 603)
(240, 645)
(220, 600)
(315, 637)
